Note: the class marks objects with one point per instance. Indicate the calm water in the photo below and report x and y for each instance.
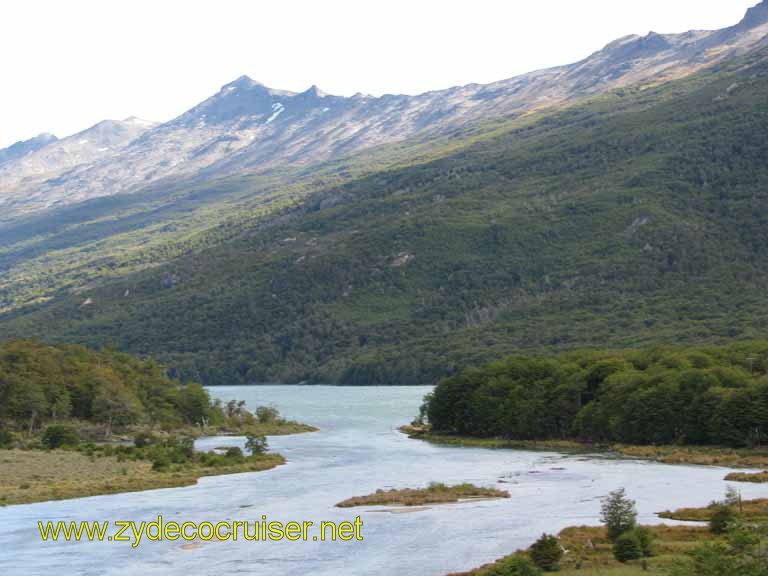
(357, 451)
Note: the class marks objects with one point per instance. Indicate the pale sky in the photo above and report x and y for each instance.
(67, 64)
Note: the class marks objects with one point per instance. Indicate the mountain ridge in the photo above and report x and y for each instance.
(249, 128)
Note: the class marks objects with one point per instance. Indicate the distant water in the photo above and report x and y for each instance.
(357, 451)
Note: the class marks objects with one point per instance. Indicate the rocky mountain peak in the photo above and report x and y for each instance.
(243, 82)
(314, 92)
(756, 16)
(24, 147)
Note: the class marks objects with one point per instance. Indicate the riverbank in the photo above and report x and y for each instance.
(697, 455)
(28, 476)
(589, 552)
(434, 494)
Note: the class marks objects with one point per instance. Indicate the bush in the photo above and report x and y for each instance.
(721, 518)
(143, 439)
(546, 553)
(59, 436)
(233, 452)
(160, 461)
(627, 547)
(513, 566)
(645, 539)
(6, 438)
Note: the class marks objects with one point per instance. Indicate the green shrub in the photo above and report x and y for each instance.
(513, 566)
(143, 439)
(160, 461)
(6, 438)
(645, 539)
(721, 518)
(267, 414)
(546, 553)
(59, 436)
(627, 547)
(233, 452)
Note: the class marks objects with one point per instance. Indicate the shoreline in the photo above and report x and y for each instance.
(689, 455)
(590, 551)
(105, 476)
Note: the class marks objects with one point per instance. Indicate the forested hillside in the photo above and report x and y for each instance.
(659, 395)
(42, 384)
(637, 217)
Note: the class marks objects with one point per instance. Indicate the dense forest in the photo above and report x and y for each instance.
(41, 384)
(660, 395)
(636, 218)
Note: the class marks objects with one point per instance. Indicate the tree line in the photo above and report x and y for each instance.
(659, 395)
(41, 384)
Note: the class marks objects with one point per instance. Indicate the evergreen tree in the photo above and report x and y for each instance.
(618, 513)
(546, 553)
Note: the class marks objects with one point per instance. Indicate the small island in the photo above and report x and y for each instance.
(76, 422)
(435, 493)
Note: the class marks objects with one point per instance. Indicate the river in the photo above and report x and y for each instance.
(357, 451)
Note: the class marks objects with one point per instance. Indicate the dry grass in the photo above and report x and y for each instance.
(704, 455)
(36, 476)
(756, 477)
(435, 494)
(756, 510)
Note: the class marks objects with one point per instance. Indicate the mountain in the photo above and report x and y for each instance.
(24, 147)
(637, 216)
(249, 128)
(268, 235)
(26, 179)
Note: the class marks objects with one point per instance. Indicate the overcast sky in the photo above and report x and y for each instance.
(67, 64)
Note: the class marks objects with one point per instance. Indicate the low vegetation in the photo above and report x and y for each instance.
(435, 493)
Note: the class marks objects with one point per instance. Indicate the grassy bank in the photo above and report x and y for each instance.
(590, 552)
(36, 476)
(698, 455)
(754, 510)
(434, 494)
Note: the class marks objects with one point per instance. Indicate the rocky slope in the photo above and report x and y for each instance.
(247, 127)
(29, 181)
(24, 147)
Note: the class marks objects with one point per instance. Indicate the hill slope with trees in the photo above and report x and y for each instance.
(637, 217)
(41, 384)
